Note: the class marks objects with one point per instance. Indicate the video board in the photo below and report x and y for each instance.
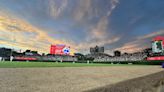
(60, 49)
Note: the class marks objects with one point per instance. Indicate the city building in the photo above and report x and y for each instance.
(117, 53)
(96, 50)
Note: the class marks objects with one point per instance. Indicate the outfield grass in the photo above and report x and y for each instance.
(51, 64)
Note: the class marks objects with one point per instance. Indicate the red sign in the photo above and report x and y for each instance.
(156, 58)
(25, 58)
(159, 38)
(60, 49)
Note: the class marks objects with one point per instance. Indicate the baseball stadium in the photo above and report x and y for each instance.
(81, 46)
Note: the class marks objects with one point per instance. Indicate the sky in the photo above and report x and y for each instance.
(125, 25)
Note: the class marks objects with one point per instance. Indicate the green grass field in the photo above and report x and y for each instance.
(8, 64)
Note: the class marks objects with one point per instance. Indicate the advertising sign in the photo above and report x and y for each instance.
(156, 58)
(157, 46)
(60, 49)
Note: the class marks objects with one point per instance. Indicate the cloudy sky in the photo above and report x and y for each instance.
(126, 25)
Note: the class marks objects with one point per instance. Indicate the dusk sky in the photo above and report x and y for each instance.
(126, 25)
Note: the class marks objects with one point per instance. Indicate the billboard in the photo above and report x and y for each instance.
(156, 58)
(60, 49)
(158, 44)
